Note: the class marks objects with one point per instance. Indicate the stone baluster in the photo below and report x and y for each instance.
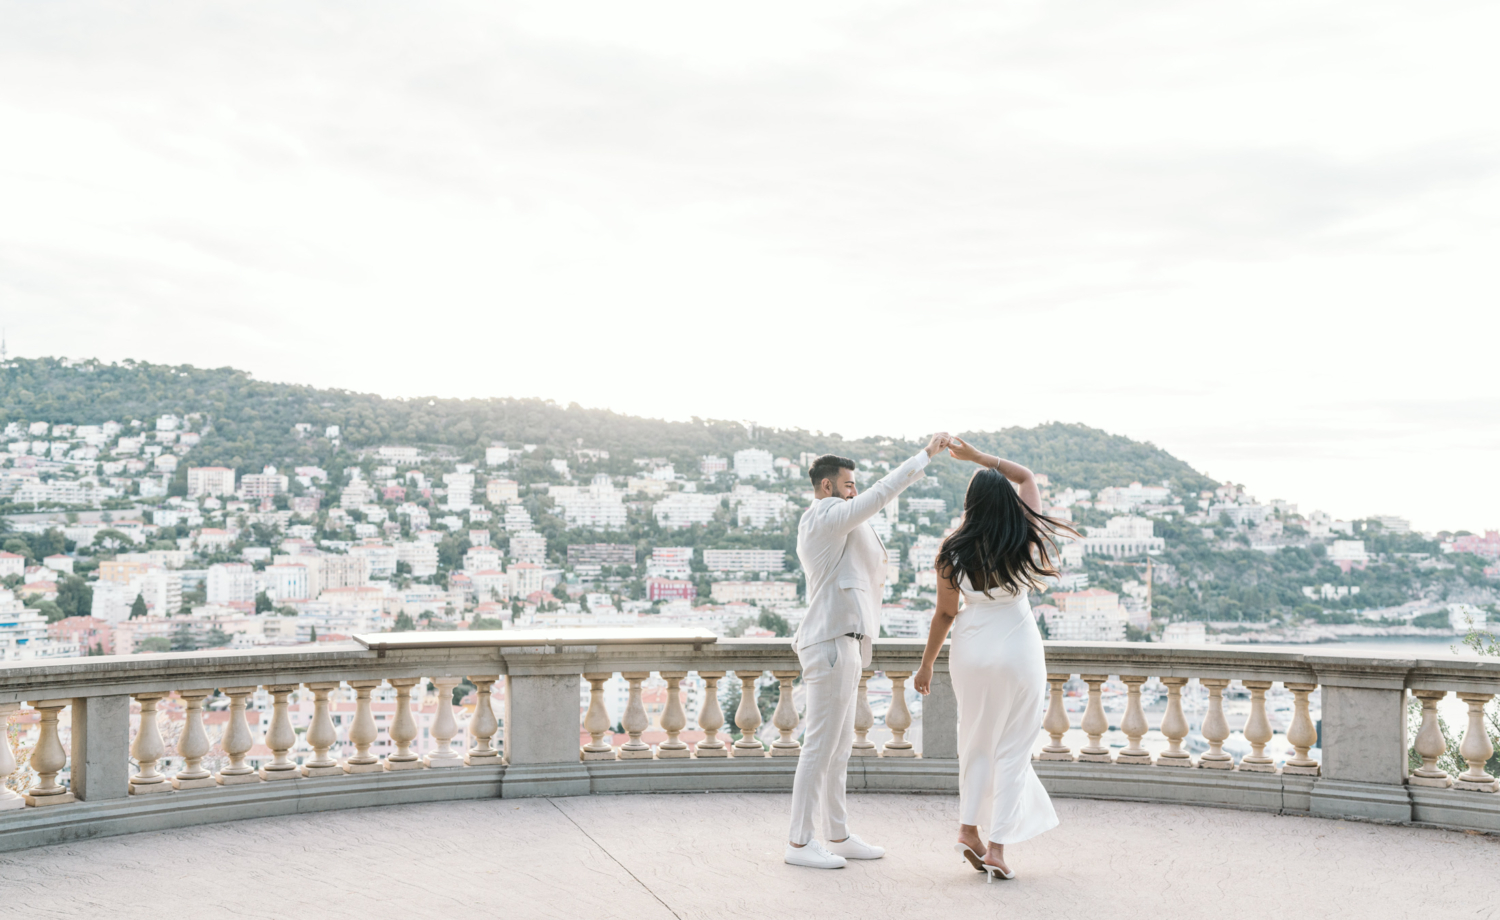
(1215, 726)
(596, 721)
(8, 799)
(864, 719)
(1257, 729)
(1476, 749)
(148, 749)
(403, 728)
(1429, 743)
(193, 744)
(362, 732)
(280, 736)
(747, 717)
(1174, 725)
(785, 717)
(711, 717)
(237, 740)
(898, 718)
(1133, 724)
(482, 724)
(48, 757)
(1056, 723)
(1094, 723)
(1301, 734)
(635, 720)
(673, 718)
(444, 726)
(321, 733)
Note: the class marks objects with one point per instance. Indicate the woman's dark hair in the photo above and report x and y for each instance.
(1002, 543)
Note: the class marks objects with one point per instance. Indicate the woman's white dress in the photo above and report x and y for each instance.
(1000, 678)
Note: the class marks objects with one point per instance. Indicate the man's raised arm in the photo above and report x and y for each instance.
(845, 516)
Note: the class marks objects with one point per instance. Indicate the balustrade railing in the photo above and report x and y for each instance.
(1351, 763)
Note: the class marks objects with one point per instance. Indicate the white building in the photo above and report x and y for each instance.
(517, 518)
(1185, 634)
(900, 623)
(380, 559)
(711, 465)
(1131, 497)
(209, 480)
(745, 560)
(670, 562)
(597, 508)
(1464, 617)
(753, 463)
(460, 490)
(684, 509)
(23, 634)
(924, 551)
(420, 556)
(529, 547)
(1348, 552)
(265, 484)
(480, 558)
(1094, 615)
(496, 456)
(758, 509)
(230, 583)
(285, 582)
(526, 578)
(754, 592)
(500, 491)
(1123, 536)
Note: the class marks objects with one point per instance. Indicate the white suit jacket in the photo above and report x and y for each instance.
(845, 562)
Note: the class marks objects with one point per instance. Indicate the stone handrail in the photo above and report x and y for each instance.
(1362, 772)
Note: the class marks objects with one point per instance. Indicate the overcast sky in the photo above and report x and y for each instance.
(1263, 236)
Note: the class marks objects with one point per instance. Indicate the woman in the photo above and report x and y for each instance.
(1001, 550)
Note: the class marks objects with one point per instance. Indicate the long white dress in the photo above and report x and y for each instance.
(1000, 678)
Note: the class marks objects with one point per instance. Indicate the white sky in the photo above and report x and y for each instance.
(1262, 236)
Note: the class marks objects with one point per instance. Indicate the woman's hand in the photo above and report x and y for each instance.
(959, 449)
(923, 679)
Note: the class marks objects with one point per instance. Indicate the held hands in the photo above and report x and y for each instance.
(922, 680)
(959, 449)
(940, 442)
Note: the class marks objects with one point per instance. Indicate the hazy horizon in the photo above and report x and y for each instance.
(1260, 238)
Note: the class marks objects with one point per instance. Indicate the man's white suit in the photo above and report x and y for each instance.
(845, 564)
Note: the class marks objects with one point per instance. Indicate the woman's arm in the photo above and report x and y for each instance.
(1025, 480)
(942, 621)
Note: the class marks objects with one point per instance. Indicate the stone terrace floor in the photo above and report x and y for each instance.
(718, 856)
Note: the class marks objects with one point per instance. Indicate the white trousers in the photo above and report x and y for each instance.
(830, 675)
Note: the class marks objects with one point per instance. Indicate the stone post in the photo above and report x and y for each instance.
(148, 749)
(1429, 744)
(1133, 724)
(596, 721)
(673, 718)
(280, 736)
(635, 720)
(898, 718)
(1174, 725)
(541, 736)
(193, 744)
(1301, 734)
(1094, 723)
(1215, 727)
(237, 740)
(403, 728)
(321, 733)
(362, 731)
(1056, 723)
(444, 726)
(1476, 749)
(710, 717)
(940, 718)
(1257, 729)
(785, 717)
(482, 724)
(747, 717)
(48, 757)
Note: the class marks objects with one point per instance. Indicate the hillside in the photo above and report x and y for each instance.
(249, 424)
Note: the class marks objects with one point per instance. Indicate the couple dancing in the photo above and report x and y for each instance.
(1001, 550)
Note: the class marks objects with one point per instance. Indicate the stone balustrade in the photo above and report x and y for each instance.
(117, 784)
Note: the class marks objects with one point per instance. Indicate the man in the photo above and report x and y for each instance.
(844, 562)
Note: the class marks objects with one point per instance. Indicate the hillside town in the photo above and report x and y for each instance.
(119, 544)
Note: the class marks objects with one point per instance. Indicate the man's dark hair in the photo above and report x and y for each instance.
(827, 467)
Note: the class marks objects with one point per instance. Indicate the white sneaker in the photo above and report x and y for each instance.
(852, 847)
(814, 856)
